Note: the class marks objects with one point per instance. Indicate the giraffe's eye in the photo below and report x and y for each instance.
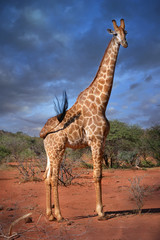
(115, 34)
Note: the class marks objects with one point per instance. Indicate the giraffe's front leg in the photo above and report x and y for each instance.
(97, 176)
(98, 188)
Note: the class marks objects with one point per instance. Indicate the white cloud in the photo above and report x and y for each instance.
(111, 111)
(62, 38)
(155, 99)
(125, 107)
(31, 38)
(35, 16)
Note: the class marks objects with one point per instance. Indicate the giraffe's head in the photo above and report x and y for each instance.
(119, 33)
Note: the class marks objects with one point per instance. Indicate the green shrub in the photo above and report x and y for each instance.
(83, 164)
(27, 154)
(147, 164)
(122, 145)
(127, 156)
(16, 146)
(4, 152)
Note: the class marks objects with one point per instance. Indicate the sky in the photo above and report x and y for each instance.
(48, 46)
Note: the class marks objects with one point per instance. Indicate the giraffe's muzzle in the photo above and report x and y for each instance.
(124, 43)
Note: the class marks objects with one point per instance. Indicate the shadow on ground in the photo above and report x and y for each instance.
(114, 214)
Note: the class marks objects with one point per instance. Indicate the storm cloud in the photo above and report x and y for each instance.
(50, 46)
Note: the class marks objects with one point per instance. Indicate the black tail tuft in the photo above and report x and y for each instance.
(61, 108)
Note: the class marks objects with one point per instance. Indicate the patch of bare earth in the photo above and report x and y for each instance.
(78, 203)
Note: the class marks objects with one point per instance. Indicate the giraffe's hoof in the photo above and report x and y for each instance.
(51, 218)
(102, 218)
(61, 220)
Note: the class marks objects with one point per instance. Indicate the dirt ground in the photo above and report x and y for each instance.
(77, 205)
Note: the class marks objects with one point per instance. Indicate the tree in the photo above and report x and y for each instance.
(153, 140)
(123, 141)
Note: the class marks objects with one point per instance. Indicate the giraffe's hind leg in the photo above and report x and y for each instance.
(54, 183)
(49, 200)
(54, 148)
(47, 178)
(57, 210)
(51, 183)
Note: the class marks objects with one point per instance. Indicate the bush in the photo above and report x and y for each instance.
(153, 140)
(27, 154)
(83, 164)
(137, 191)
(128, 158)
(29, 170)
(147, 164)
(4, 152)
(15, 146)
(122, 145)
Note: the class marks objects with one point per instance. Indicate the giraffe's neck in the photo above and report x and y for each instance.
(102, 84)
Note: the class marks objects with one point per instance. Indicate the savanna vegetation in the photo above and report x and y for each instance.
(126, 146)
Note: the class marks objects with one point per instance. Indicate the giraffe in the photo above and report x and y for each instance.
(84, 124)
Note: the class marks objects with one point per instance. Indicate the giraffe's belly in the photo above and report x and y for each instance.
(76, 139)
(76, 145)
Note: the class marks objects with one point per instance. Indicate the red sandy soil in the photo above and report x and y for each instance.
(77, 205)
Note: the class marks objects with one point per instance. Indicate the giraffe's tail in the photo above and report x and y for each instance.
(61, 108)
(53, 122)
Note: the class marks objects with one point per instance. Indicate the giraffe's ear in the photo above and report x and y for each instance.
(110, 31)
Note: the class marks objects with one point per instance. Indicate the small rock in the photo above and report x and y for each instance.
(31, 208)
(28, 220)
(9, 209)
(1, 207)
(69, 223)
